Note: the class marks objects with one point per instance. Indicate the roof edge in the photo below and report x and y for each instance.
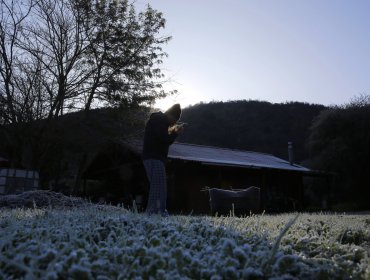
(221, 148)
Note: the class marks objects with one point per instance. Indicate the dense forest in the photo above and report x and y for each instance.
(257, 126)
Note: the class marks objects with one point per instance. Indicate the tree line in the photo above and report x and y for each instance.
(339, 143)
(251, 125)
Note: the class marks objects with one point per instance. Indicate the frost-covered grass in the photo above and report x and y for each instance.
(112, 243)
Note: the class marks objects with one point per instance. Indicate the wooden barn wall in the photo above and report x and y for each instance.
(280, 191)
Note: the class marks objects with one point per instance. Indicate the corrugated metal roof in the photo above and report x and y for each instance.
(229, 157)
(224, 157)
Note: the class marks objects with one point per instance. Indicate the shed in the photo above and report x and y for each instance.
(191, 169)
(13, 181)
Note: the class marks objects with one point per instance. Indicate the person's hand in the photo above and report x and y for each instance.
(179, 129)
(176, 129)
(171, 129)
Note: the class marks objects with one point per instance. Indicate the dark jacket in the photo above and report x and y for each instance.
(156, 138)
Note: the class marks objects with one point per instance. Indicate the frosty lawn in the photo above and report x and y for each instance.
(112, 243)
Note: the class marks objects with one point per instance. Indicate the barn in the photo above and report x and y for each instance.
(191, 170)
(279, 181)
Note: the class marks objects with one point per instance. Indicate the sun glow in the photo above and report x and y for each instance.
(185, 97)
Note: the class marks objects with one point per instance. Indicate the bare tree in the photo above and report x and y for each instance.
(54, 38)
(29, 83)
(12, 16)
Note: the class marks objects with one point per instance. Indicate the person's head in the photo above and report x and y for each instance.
(173, 114)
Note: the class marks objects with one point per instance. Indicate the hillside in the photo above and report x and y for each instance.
(251, 125)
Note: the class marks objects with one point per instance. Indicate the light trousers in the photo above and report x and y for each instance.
(156, 173)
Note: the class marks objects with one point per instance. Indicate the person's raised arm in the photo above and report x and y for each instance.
(161, 132)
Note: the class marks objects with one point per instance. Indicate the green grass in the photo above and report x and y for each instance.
(113, 243)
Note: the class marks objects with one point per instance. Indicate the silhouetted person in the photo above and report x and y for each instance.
(160, 133)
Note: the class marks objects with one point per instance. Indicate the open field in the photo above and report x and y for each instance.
(112, 243)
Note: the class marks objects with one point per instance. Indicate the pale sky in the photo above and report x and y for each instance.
(315, 51)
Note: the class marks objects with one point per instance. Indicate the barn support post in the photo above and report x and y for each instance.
(329, 180)
(172, 184)
(301, 195)
(263, 202)
(219, 177)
